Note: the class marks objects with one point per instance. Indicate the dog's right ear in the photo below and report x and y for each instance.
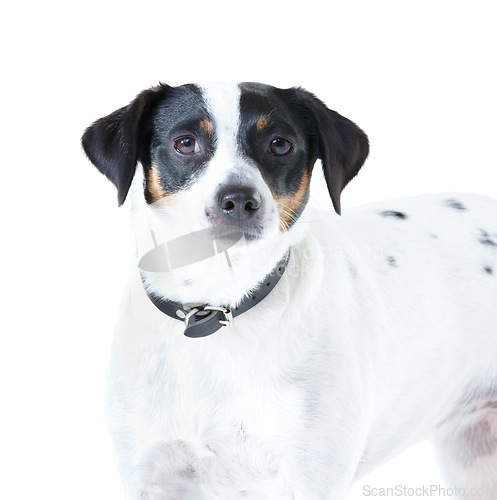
(112, 142)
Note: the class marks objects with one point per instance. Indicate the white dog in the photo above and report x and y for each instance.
(325, 345)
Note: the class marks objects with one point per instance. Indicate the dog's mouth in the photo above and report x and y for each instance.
(191, 248)
(228, 236)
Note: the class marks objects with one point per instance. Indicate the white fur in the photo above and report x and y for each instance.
(351, 358)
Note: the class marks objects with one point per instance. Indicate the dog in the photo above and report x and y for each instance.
(268, 349)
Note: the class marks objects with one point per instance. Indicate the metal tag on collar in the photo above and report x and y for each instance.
(228, 315)
(206, 320)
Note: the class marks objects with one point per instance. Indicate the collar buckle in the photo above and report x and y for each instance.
(228, 315)
(187, 316)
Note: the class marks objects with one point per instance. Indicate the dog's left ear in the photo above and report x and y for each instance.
(112, 142)
(341, 145)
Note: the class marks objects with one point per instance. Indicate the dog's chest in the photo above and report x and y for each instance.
(234, 417)
(236, 392)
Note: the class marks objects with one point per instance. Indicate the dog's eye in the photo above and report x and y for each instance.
(280, 146)
(186, 145)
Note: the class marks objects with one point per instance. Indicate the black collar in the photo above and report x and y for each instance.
(203, 320)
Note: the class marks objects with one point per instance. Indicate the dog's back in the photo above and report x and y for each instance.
(433, 261)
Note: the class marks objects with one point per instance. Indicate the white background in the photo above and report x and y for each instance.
(418, 76)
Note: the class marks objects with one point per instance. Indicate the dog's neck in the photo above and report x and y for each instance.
(223, 279)
(203, 319)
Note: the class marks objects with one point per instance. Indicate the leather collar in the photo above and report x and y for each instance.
(202, 320)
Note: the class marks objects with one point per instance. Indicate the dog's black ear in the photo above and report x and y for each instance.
(341, 145)
(112, 142)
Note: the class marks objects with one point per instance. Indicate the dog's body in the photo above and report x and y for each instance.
(381, 331)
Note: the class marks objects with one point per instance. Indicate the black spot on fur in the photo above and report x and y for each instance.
(392, 261)
(189, 472)
(353, 270)
(488, 270)
(457, 205)
(393, 213)
(485, 239)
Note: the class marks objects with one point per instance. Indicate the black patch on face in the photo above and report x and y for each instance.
(457, 205)
(180, 115)
(485, 239)
(393, 213)
(314, 131)
(144, 131)
(283, 118)
(488, 270)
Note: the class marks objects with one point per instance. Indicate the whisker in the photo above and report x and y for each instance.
(288, 210)
(287, 218)
(285, 202)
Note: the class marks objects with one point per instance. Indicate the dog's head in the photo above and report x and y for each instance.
(236, 159)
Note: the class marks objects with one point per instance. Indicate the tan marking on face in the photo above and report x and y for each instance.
(288, 206)
(261, 123)
(206, 125)
(154, 187)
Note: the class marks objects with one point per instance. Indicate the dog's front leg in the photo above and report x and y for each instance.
(325, 455)
(183, 492)
(325, 474)
(171, 471)
(320, 466)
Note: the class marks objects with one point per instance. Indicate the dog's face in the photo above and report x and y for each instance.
(236, 159)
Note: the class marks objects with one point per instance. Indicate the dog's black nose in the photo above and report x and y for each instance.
(240, 203)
